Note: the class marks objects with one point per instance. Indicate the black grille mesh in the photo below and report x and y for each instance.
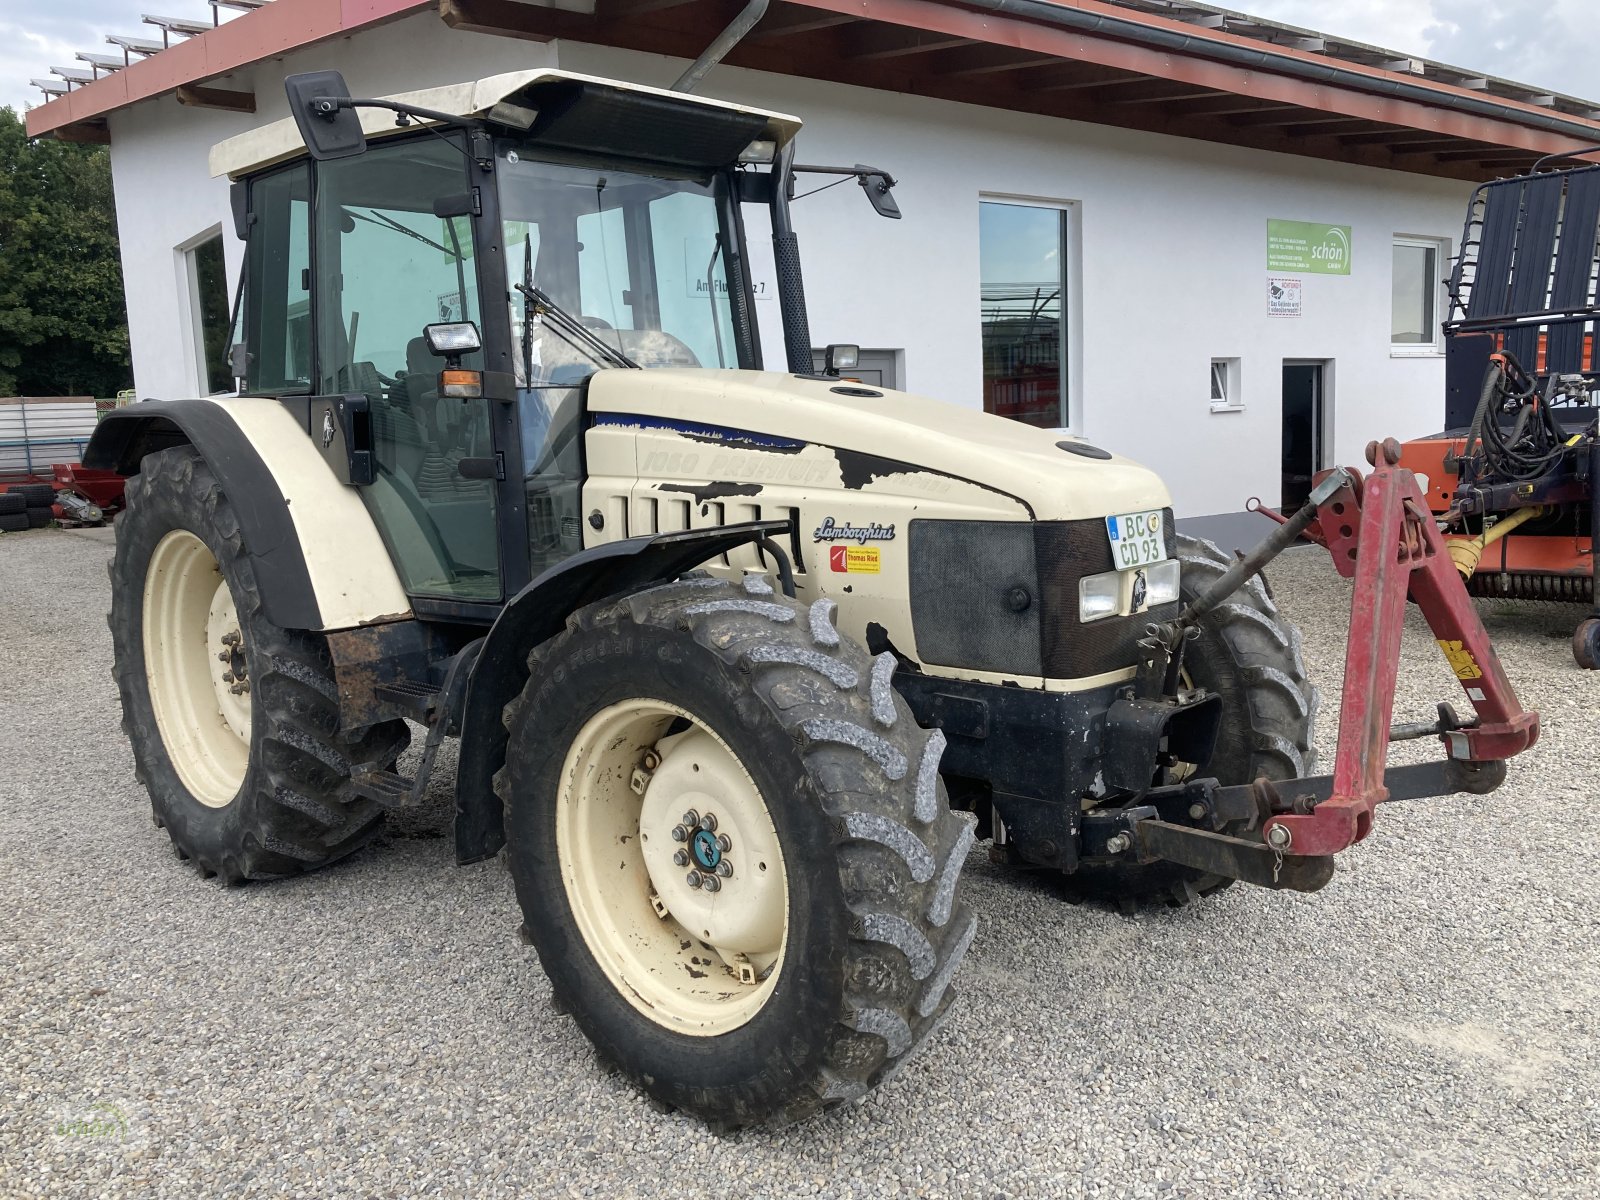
(963, 578)
(962, 574)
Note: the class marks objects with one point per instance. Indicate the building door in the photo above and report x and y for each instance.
(1304, 421)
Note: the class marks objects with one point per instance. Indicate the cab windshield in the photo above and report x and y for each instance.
(636, 259)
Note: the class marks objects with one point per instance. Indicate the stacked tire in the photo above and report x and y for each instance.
(28, 506)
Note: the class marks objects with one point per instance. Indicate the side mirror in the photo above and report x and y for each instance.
(318, 101)
(877, 186)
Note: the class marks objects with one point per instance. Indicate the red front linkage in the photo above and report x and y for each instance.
(1382, 536)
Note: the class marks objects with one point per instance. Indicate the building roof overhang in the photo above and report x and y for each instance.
(1111, 62)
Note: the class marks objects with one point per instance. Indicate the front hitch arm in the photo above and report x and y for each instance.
(1382, 536)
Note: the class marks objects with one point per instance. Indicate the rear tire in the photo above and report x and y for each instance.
(14, 522)
(1586, 644)
(1250, 656)
(35, 495)
(12, 502)
(40, 518)
(814, 991)
(253, 783)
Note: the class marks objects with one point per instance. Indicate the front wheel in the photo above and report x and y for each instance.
(732, 850)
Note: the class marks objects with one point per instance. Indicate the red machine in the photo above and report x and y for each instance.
(1511, 481)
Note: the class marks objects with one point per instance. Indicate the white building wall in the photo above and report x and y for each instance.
(1170, 270)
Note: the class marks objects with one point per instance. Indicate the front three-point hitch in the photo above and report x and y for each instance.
(1382, 536)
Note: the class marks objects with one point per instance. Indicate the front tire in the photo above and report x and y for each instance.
(823, 956)
(1249, 655)
(234, 722)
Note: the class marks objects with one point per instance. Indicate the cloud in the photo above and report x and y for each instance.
(1544, 43)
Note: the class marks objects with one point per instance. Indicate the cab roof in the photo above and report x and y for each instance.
(575, 112)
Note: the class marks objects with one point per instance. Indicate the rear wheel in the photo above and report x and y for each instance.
(732, 851)
(1586, 644)
(1249, 655)
(233, 721)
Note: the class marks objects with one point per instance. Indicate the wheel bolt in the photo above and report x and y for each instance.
(712, 883)
(709, 822)
(725, 842)
(691, 818)
(725, 868)
(680, 858)
(694, 879)
(680, 834)
(227, 677)
(1196, 811)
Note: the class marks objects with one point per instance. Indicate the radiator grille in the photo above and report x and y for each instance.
(965, 579)
(1067, 551)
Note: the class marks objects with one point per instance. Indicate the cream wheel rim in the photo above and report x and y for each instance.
(672, 867)
(195, 668)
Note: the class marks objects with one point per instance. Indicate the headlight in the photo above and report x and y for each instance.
(1099, 596)
(1161, 581)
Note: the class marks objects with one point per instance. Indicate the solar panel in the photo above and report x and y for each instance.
(182, 26)
(133, 45)
(102, 62)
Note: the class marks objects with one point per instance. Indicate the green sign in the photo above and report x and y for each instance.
(1305, 247)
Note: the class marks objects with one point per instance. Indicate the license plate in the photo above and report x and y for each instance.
(1137, 539)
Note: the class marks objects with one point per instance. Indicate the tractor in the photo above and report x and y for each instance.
(1512, 478)
(741, 662)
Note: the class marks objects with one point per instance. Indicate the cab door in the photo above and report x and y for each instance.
(385, 268)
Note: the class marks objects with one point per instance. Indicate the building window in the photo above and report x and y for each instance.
(1414, 310)
(1225, 393)
(1022, 250)
(208, 305)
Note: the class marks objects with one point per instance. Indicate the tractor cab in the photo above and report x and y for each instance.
(432, 285)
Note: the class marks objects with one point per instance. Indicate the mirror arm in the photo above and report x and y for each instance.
(858, 171)
(481, 152)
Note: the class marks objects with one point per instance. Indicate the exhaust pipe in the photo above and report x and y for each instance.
(724, 42)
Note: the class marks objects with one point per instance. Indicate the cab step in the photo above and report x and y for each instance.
(388, 788)
(416, 701)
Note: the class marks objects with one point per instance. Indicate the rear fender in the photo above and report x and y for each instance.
(322, 563)
(538, 613)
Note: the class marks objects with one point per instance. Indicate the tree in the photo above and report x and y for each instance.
(63, 325)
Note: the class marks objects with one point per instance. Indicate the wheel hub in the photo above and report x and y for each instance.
(673, 867)
(196, 668)
(706, 851)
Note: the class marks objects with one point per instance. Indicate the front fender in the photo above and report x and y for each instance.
(538, 613)
(323, 564)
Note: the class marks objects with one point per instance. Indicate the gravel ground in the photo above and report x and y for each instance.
(1423, 1027)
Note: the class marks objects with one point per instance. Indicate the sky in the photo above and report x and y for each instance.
(1547, 43)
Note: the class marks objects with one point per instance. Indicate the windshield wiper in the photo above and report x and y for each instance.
(373, 217)
(575, 332)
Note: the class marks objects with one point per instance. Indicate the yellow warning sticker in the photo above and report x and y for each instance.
(862, 559)
(1460, 660)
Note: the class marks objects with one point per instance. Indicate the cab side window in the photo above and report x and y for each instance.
(278, 265)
